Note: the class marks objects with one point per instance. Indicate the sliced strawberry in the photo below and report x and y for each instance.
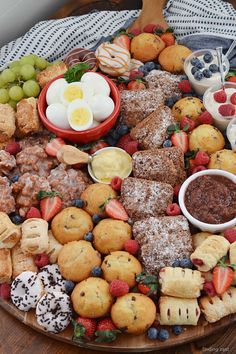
(50, 204)
(123, 41)
(180, 139)
(223, 276)
(168, 38)
(115, 210)
(54, 146)
(144, 289)
(98, 146)
(136, 85)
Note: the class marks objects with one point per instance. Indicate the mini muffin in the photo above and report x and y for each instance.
(71, 224)
(190, 107)
(223, 160)
(95, 196)
(110, 235)
(146, 47)
(77, 259)
(134, 313)
(121, 265)
(206, 138)
(172, 58)
(91, 298)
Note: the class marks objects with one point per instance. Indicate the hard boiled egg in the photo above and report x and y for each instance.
(54, 90)
(101, 106)
(79, 115)
(97, 82)
(95, 124)
(56, 113)
(74, 91)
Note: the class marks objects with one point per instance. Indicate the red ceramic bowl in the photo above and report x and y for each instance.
(88, 135)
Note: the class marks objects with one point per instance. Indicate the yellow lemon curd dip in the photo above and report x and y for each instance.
(110, 163)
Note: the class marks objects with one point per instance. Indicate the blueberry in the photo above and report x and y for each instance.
(171, 101)
(69, 286)
(96, 218)
(150, 65)
(194, 61)
(183, 77)
(194, 70)
(198, 76)
(96, 272)
(88, 236)
(186, 263)
(177, 330)
(200, 65)
(214, 68)
(176, 263)
(79, 203)
(208, 57)
(207, 73)
(157, 66)
(167, 143)
(122, 129)
(163, 335)
(144, 70)
(14, 178)
(152, 333)
(114, 134)
(16, 219)
(111, 141)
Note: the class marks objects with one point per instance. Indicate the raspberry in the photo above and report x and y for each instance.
(209, 288)
(149, 28)
(233, 98)
(41, 260)
(116, 183)
(230, 235)
(122, 142)
(173, 209)
(131, 147)
(185, 121)
(184, 86)
(135, 31)
(33, 213)
(118, 288)
(13, 148)
(198, 169)
(177, 189)
(201, 158)
(205, 118)
(131, 246)
(220, 96)
(226, 110)
(5, 291)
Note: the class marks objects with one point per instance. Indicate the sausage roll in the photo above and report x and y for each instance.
(27, 118)
(34, 236)
(199, 238)
(211, 250)
(174, 311)
(5, 265)
(181, 282)
(54, 248)
(214, 308)
(9, 232)
(232, 258)
(21, 262)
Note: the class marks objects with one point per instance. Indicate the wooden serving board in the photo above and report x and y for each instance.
(125, 343)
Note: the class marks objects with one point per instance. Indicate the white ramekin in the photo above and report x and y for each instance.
(199, 224)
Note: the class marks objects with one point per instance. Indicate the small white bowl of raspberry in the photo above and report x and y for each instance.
(220, 102)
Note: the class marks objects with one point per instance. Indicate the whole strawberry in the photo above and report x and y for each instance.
(131, 246)
(147, 283)
(84, 327)
(118, 288)
(106, 331)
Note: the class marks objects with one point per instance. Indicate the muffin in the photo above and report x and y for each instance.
(146, 47)
(121, 265)
(190, 107)
(110, 235)
(91, 298)
(172, 58)
(95, 196)
(134, 313)
(77, 259)
(206, 138)
(223, 160)
(71, 224)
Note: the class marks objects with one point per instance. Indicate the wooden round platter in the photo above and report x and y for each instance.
(124, 343)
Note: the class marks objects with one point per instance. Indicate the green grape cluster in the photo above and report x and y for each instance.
(19, 79)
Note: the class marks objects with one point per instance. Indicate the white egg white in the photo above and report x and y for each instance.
(101, 106)
(95, 124)
(75, 106)
(54, 91)
(97, 82)
(79, 88)
(56, 113)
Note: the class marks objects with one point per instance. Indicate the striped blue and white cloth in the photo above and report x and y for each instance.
(197, 24)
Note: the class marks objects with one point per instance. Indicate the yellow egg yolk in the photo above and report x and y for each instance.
(72, 93)
(80, 116)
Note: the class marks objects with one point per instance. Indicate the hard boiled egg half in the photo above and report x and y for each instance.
(80, 116)
(54, 91)
(57, 114)
(74, 91)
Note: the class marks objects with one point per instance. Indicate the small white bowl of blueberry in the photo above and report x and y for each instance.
(202, 69)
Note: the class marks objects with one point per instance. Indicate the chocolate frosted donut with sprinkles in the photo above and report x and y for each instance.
(53, 311)
(51, 278)
(81, 55)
